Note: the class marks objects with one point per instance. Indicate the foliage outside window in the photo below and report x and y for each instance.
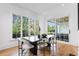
(24, 26)
(37, 27)
(28, 27)
(51, 27)
(34, 27)
(31, 27)
(16, 26)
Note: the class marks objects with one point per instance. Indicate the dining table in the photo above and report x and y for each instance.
(34, 41)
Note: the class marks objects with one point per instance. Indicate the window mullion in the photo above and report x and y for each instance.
(21, 27)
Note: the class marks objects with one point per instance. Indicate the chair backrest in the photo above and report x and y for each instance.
(39, 36)
(44, 35)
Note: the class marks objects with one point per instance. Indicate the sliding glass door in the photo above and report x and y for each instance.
(63, 29)
(59, 29)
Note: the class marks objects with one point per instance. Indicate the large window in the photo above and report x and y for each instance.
(32, 31)
(16, 26)
(51, 27)
(34, 27)
(63, 28)
(37, 31)
(23, 26)
(63, 25)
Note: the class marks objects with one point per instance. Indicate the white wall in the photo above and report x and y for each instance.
(6, 11)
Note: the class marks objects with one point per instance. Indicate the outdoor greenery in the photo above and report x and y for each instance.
(34, 27)
(37, 27)
(51, 28)
(25, 26)
(16, 26)
(31, 27)
(61, 25)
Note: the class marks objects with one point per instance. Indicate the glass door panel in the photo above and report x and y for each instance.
(59, 28)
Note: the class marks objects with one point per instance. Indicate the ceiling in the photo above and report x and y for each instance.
(39, 8)
(44, 9)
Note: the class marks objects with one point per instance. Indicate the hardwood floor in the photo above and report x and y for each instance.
(60, 50)
(9, 52)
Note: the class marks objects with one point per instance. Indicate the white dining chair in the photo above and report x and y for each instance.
(26, 46)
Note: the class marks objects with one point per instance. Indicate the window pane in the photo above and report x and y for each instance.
(51, 27)
(37, 27)
(25, 26)
(16, 26)
(31, 27)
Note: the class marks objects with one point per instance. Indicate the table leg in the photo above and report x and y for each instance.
(34, 49)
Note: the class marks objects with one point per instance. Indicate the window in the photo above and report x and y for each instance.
(63, 25)
(25, 26)
(22, 26)
(51, 27)
(31, 27)
(34, 27)
(16, 26)
(37, 27)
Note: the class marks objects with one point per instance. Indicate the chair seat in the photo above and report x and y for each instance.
(40, 45)
(25, 46)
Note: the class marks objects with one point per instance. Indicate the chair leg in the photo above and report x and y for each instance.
(44, 48)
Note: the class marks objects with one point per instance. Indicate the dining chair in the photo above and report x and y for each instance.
(43, 41)
(25, 47)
